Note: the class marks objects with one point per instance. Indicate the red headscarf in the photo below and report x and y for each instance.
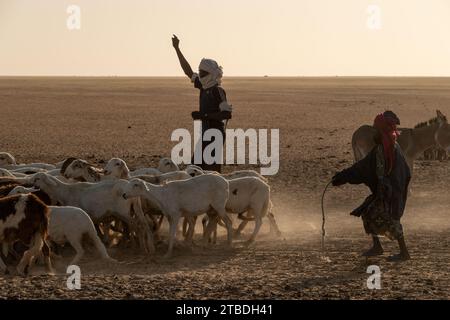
(387, 126)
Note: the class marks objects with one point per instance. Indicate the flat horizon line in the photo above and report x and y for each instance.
(231, 76)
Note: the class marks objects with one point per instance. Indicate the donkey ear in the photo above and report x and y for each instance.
(440, 117)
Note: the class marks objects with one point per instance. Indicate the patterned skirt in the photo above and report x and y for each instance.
(377, 220)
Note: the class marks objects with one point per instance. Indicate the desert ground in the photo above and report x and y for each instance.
(49, 119)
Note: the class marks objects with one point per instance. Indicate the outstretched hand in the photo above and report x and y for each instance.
(175, 41)
(337, 180)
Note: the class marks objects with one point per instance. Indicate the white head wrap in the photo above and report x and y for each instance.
(215, 73)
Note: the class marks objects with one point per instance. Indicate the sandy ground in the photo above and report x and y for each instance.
(96, 119)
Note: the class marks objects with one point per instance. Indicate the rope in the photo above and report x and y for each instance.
(323, 219)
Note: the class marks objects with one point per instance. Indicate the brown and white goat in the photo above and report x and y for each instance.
(25, 218)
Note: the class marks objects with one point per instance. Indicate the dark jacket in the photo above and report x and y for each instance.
(209, 101)
(395, 184)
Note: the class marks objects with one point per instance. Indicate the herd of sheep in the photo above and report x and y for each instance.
(45, 205)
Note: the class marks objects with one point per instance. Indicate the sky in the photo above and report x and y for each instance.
(247, 37)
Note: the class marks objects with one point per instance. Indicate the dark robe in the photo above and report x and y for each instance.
(391, 188)
(209, 101)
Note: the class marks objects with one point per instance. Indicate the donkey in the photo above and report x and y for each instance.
(412, 141)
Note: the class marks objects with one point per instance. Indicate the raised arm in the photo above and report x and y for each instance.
(183, 62)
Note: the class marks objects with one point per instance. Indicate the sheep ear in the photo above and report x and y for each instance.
(146, 188)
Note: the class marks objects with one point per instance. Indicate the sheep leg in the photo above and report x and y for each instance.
(5, 249)
(211, 226)
(191, 229)
(258, 223)
(204, 225)
(228, 223)
(142, 226)
(3, 267)
(46, 252)
(30, 253)
(241, 227)
(229, 226)
(273, 225)
(185, 227)
(100, 246)
(76, 244)
(161, 219)
(173, 226)
(214, 233)
(102, 228)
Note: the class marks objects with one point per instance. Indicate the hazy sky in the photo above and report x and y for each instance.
(247, 37)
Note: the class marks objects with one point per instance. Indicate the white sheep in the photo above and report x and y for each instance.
(117, 168)
(70, 224)
(99, 200)
(252, 195)
(6, 173)
(80, 170)
(228, 176)
(7, 161)
(167, 165)
(194, 171)
(185, 198)
(27, 170)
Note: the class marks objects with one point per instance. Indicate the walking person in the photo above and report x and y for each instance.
(385, 171)
(214, 110)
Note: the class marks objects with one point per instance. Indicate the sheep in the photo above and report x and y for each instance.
(115, 169)
(80, 170)
(194, 171)
(70, 224)
(6, 189)
(252, 195)
(229, 176)
(6, 173)
(186, 198)
(25, 218)
(167, 165)
(99, 200)
(59, 164)
(27, 170)
(118, 168)
(44, 197)
(7, 161)
(9, 180)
